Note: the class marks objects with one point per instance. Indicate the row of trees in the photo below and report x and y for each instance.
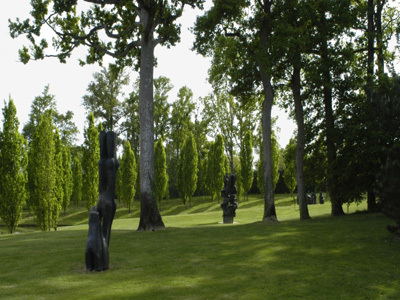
(49, 171)
(318, 55)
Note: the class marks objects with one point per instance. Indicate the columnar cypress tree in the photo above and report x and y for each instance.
(13, 163)
(128, 175)
(187, 170)
(91, 156)
(67, 174)
(160, 171)
(59, 176)
(216, 167)
(246, 163)
(42, 172)
(76, 196)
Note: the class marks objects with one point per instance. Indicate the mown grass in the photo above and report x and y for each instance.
(196, 257)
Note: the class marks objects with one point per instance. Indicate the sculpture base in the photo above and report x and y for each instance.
(228, 220)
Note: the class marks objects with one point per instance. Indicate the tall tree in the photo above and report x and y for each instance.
(181, 124)
(13, 165)
(59, 179)
(130, 126)
(294, 31)
(241, 33)
(103, 94)
(246, 163)
(66, 127)
(42, 172)
(128, 175)
(215, 168)
(160, 171)
(90, 161)
(76, 195)
(187, 170)
(38, 107)
(64, 123)
(126, 30)
(68, 178)
(162, 86)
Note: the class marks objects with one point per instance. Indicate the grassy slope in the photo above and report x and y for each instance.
(195, 257)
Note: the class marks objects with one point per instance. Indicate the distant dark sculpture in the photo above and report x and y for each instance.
(102, 215)
(229, 204)
(311, 198)
(321, 198)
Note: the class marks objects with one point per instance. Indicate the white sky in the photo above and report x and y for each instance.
(68, 82)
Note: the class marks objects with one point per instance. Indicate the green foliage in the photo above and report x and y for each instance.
(130, 127)
(38, 107)
(128, 175)
(64, 123)
(181, 124)
(187, 170)
(216, 168)
(289, 174)
(102, 96)
(68, 177)
(109, 28)
(90, 160)
(160, 171)
(42, 170)
(246, 163)
(59, 179)
(162, 86)
(76, 195)
(13, 165)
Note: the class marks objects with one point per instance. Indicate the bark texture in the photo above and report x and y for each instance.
(150, 218)
(298, 105)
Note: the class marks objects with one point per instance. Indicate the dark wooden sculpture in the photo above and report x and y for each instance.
(102, 215)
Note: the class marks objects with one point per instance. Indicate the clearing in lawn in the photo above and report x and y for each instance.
(196, 257)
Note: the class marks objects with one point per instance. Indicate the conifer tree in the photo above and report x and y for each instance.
(76, 196)
(13, 163)
(42, 172)
(91, 156)
(246, 163)
(216, 168)
(128, 175)
(160, 171)
(187, 170)
(59, 174)
(68, 179)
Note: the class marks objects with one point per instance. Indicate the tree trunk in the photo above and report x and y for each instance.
(379, 36)
(269, 202)
(332, 180)
(370, 59)
(150, 218)
(296, 89)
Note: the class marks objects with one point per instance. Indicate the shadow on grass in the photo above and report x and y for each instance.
(323, 258)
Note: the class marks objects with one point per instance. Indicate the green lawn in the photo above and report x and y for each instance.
(196, 257)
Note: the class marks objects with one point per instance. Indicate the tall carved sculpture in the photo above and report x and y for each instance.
(102, 215)
(229, 204)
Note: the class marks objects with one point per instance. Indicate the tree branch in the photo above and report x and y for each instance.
(103, 2)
